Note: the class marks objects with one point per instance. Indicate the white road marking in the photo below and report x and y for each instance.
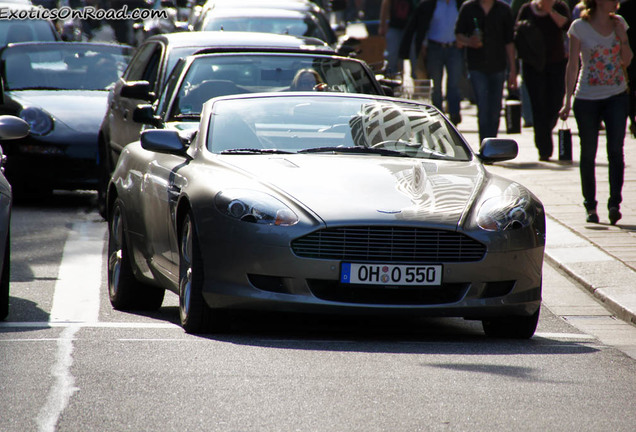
(46, 324)
(571, 336)
(76, 297)
(63, 386)
(76, 300)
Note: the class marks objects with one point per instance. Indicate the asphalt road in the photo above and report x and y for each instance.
(114, 371)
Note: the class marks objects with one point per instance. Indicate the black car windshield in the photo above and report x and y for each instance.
(63, 66)
(221, 75)
(295, 26)
(333, 125)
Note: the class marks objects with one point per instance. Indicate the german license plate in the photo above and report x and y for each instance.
(390, 274)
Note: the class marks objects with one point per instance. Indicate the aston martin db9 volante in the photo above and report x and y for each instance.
(324, 202)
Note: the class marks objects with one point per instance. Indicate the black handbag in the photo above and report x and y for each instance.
(565, 142)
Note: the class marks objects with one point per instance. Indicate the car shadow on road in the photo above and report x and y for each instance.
(373, 334)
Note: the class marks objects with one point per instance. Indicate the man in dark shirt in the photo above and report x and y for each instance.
(485, 28)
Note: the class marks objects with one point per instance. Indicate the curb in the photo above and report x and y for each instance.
(604, 276)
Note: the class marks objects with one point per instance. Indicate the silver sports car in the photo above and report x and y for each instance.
(324, 202)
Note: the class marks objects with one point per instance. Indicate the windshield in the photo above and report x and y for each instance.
(63, 66)
(12, 31)
(333, 125)
(280, 25)
(214, 76)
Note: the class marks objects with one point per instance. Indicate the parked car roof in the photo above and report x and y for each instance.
(269, 20)
(232, 40)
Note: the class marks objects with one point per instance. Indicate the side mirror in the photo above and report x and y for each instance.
(498, 149)
(162, 141)
(145, 114)
(138, 90)
(12, 127)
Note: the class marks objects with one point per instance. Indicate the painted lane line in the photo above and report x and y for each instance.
(76, 297)
(64, 383)
(76, 300)
(87, 324)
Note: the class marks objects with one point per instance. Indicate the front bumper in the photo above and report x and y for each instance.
(272, 278)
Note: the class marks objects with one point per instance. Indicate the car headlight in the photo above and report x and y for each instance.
(40, 122)
(254, 206)
(505, 212)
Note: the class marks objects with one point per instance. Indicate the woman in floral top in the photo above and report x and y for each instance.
(599, 39)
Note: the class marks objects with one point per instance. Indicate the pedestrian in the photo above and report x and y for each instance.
(545, 79)
(394, 15)
(599, 39)
(526, 108)
(485, 28)
(433, 25)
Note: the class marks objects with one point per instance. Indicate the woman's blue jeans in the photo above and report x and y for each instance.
(613, 111)
(488, 89)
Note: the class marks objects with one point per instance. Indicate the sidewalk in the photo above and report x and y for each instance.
(601, 257)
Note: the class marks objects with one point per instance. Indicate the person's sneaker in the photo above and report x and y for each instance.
(592, 216)
(614, 215)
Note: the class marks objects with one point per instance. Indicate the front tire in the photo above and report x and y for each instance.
(196, 316)
(124, 290)
(513, 327)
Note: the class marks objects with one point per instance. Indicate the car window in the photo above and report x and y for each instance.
(213, 76)
(170, 87)
(63, 66)
(174, 55)
(145, 64)
(332, 125)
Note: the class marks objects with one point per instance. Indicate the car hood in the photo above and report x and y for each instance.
(371, 189)
(81, 110)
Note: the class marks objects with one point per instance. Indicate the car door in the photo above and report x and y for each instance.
(143, 67)
(162, 184)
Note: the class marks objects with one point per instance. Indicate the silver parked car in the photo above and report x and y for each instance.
(10, 128)
(324, 202)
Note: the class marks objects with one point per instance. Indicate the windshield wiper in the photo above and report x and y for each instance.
(254, 151)
(358, 150)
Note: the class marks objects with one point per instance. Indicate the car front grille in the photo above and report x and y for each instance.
(388, 244)
(387, 295)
